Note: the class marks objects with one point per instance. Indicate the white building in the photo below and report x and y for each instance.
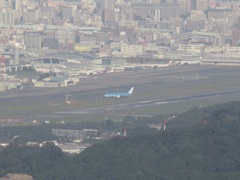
(197, 16)
(157, 15)
(131, 50)
(190, 48)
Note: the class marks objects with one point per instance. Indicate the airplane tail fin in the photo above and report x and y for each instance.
(131, 90)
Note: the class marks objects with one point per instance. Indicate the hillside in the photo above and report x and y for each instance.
(199, 144)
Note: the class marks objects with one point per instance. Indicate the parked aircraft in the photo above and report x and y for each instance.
(157, 65)
(190, 62)
(119, 94)
(103, 71)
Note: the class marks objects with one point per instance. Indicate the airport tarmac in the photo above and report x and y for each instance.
(157, 91)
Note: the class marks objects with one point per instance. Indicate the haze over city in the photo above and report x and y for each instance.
(77, 76)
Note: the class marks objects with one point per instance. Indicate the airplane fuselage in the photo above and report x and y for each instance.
(117, 94)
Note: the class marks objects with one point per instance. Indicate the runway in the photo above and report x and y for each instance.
(157, 91)
(127, 106)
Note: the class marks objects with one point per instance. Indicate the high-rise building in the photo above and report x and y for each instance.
(18, 5)
(202, 5)
(7, 16)
(33, 40)
(3, 3)
(166, 10)
(107, 4)
(157, 15)
(188, 4)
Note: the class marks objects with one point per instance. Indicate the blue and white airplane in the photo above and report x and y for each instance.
(119, 94)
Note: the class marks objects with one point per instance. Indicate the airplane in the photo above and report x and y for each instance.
(158, 65)
(103, 71)
(189, 62)
(119, 94)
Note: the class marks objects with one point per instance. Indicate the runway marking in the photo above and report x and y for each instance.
(162, 102)
(72, 112)
(143, 102)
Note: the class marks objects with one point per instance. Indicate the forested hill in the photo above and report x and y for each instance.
(200, 151)
(208, 115)
(190, 148)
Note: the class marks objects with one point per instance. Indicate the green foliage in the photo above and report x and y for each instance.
(203, 143)
(30, 160)
(28, 133)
